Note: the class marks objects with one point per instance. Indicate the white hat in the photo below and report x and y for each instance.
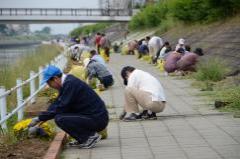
(181, 41)
(86, 62)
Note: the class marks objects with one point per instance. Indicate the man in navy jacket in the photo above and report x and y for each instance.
(78, 110)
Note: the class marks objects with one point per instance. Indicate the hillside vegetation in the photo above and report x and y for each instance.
(168, 12)
(88, 29)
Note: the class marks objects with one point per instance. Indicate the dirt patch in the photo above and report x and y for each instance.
(26, 149)
(39, 106)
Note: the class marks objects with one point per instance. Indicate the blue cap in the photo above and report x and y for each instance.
(49, 72)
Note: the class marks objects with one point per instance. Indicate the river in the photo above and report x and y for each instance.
(9, 55)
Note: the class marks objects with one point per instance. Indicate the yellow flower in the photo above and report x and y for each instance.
(21, 128)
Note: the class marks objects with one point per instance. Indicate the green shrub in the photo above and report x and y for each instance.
(204, 10)
(150, 16)
(212, 69)
(188, 11)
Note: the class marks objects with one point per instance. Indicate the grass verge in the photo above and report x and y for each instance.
(213, 69)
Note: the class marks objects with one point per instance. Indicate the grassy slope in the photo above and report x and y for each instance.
(217, 39)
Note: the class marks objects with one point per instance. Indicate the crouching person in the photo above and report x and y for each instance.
(78, 110)
(189, 60)
(141, 89)
(98, 70)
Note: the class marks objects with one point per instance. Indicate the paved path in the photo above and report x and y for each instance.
(189, 128)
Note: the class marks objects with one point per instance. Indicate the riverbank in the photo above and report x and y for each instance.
(5, 45)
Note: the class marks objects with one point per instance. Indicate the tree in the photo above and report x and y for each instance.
(46, 30)
(3, 29)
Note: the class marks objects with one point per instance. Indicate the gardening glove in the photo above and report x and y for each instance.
(34, 122)
(32, 131)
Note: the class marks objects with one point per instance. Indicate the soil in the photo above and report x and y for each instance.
(39, 106)
(26, 149)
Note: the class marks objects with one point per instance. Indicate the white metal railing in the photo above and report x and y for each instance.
(65, 12)
(60, 62)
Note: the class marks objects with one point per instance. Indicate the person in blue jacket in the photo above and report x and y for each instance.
(78, 110)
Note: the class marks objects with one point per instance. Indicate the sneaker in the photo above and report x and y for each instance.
(91, 141)
(74, 144)
(152, 116)
(122, 115)
(132, 117)
(146, 116)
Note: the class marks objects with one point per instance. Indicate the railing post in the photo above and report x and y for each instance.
(3, 107)
(32, 87)
(19, 100)
(40, 77)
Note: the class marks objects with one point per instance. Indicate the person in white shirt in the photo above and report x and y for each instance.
(78, 49)
(154, 44)
(162, 52)
(141, 89)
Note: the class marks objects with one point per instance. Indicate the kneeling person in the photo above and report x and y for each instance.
(98, 70)
(141, 89)
(78, 110)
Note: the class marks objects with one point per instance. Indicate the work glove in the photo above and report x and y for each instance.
(32, 131)
(34, 122)
(36, 131)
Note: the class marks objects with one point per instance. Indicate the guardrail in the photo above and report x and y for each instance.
(64, 12)
(60, 61)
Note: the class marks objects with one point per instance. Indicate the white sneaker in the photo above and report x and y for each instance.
(91, 141)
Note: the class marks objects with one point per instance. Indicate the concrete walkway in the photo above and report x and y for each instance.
(189, 128)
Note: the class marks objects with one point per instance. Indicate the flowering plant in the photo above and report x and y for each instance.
(20, 129)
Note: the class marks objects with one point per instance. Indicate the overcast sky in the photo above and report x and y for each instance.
(56, 28)
(49, 3)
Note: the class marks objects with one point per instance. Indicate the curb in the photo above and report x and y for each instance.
(56, 146)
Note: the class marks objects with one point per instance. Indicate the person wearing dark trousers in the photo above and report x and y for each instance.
(78, 110)
(98, 70)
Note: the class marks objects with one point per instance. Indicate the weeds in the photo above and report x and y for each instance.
(7, 137)
(31, 61)
(21, 69)
(231, 96)
(213, 69)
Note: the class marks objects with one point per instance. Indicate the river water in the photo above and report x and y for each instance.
(9, 56)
